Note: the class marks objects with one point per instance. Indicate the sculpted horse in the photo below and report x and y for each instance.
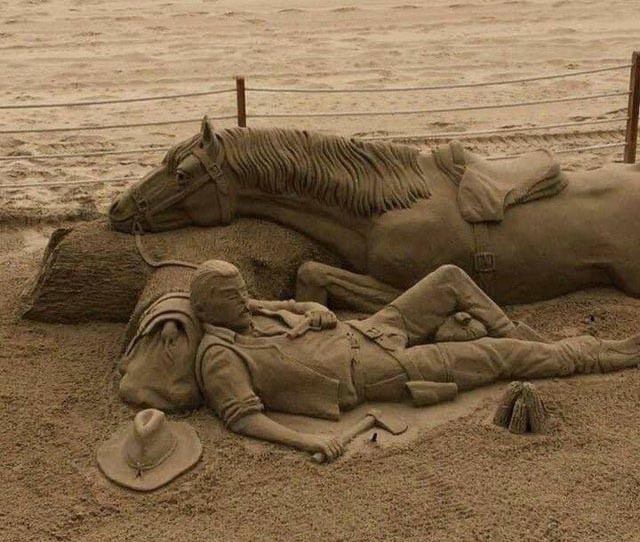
(394, 214)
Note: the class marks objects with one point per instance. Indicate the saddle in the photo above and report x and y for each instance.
(487, 188)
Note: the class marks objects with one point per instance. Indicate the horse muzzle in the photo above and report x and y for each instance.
(121, 219)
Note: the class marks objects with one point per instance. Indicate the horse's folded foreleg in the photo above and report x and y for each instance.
(326, 284)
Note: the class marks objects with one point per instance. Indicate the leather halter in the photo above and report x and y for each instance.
(214, 175)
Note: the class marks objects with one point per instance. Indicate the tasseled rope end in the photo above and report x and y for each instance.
(521, 409)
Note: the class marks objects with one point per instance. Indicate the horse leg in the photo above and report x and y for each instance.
(323, 283)
(626, 277)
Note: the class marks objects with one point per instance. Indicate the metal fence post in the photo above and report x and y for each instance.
(632, 113)
(241, 101)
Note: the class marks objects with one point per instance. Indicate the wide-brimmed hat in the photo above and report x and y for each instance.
(150, 452)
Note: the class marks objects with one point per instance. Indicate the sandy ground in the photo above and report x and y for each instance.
(455, 477)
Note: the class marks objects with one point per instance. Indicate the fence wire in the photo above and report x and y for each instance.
(563, 151)
(117, 100)
(54, 184)
(111, 126)
(146, 150)
(437, 110)
(15, 186)
(435, 87)
(439, 135)
(310, 115)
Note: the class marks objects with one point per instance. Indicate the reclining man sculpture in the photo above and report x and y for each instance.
(298, 358)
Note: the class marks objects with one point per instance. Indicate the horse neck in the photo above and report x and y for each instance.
(344, 235)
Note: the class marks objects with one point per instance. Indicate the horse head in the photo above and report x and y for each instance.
(192, 186)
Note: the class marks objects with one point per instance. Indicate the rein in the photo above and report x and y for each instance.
(214, 175)
(138, 232)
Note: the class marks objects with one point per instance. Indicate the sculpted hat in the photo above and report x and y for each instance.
(150, 452)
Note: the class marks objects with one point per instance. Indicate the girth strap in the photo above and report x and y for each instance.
(484, 259)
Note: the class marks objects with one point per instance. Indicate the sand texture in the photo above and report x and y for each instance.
(72, 50)
(454, 475)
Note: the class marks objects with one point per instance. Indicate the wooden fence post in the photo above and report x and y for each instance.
(241, 101)
(634, 106)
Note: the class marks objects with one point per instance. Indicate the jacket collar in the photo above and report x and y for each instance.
(221, 332)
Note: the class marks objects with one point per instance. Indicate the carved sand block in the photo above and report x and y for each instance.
(521, 409)
(91, 272)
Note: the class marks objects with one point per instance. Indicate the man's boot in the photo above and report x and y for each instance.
(616, 355)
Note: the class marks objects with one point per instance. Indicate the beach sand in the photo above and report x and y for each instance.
(456, 476)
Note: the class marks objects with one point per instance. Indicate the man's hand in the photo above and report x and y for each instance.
(321, 319)
(316, 320)
(329, 445)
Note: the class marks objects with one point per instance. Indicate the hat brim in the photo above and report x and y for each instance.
(112, 461)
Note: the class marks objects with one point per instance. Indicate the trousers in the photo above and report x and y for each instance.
(471, 364)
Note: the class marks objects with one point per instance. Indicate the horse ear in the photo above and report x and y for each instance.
(207, 131)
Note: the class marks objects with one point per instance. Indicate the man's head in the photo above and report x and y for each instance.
(219, 295)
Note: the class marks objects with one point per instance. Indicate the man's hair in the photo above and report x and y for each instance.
(209, 276)
(215, 268)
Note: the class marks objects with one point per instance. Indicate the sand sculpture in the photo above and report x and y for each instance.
(149, 452)
(521, 409)
(393, 214)
(243, 356)
(360, 222)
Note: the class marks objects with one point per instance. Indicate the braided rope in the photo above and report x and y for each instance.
(437, 110)
(117, 101)
(80, 154)
(127, 179)
(438, 135)
(111, 126)
(315, 91)
(66, 183)
(436, 87)
(563, 151)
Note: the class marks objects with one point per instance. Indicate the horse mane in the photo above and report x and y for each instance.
(363, 178)
(179, 152)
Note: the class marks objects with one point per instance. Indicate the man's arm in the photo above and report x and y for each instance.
(316, 316)
(257, 425)
(296, 307)
(228, 390)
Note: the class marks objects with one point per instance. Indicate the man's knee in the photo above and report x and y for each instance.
(450, 273)
(311, 274)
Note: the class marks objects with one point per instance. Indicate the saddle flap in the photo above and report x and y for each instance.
(487, 188)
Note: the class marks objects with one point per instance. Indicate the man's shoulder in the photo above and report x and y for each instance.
(210, 341)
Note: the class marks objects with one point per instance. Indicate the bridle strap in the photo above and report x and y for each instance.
(215, 175)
